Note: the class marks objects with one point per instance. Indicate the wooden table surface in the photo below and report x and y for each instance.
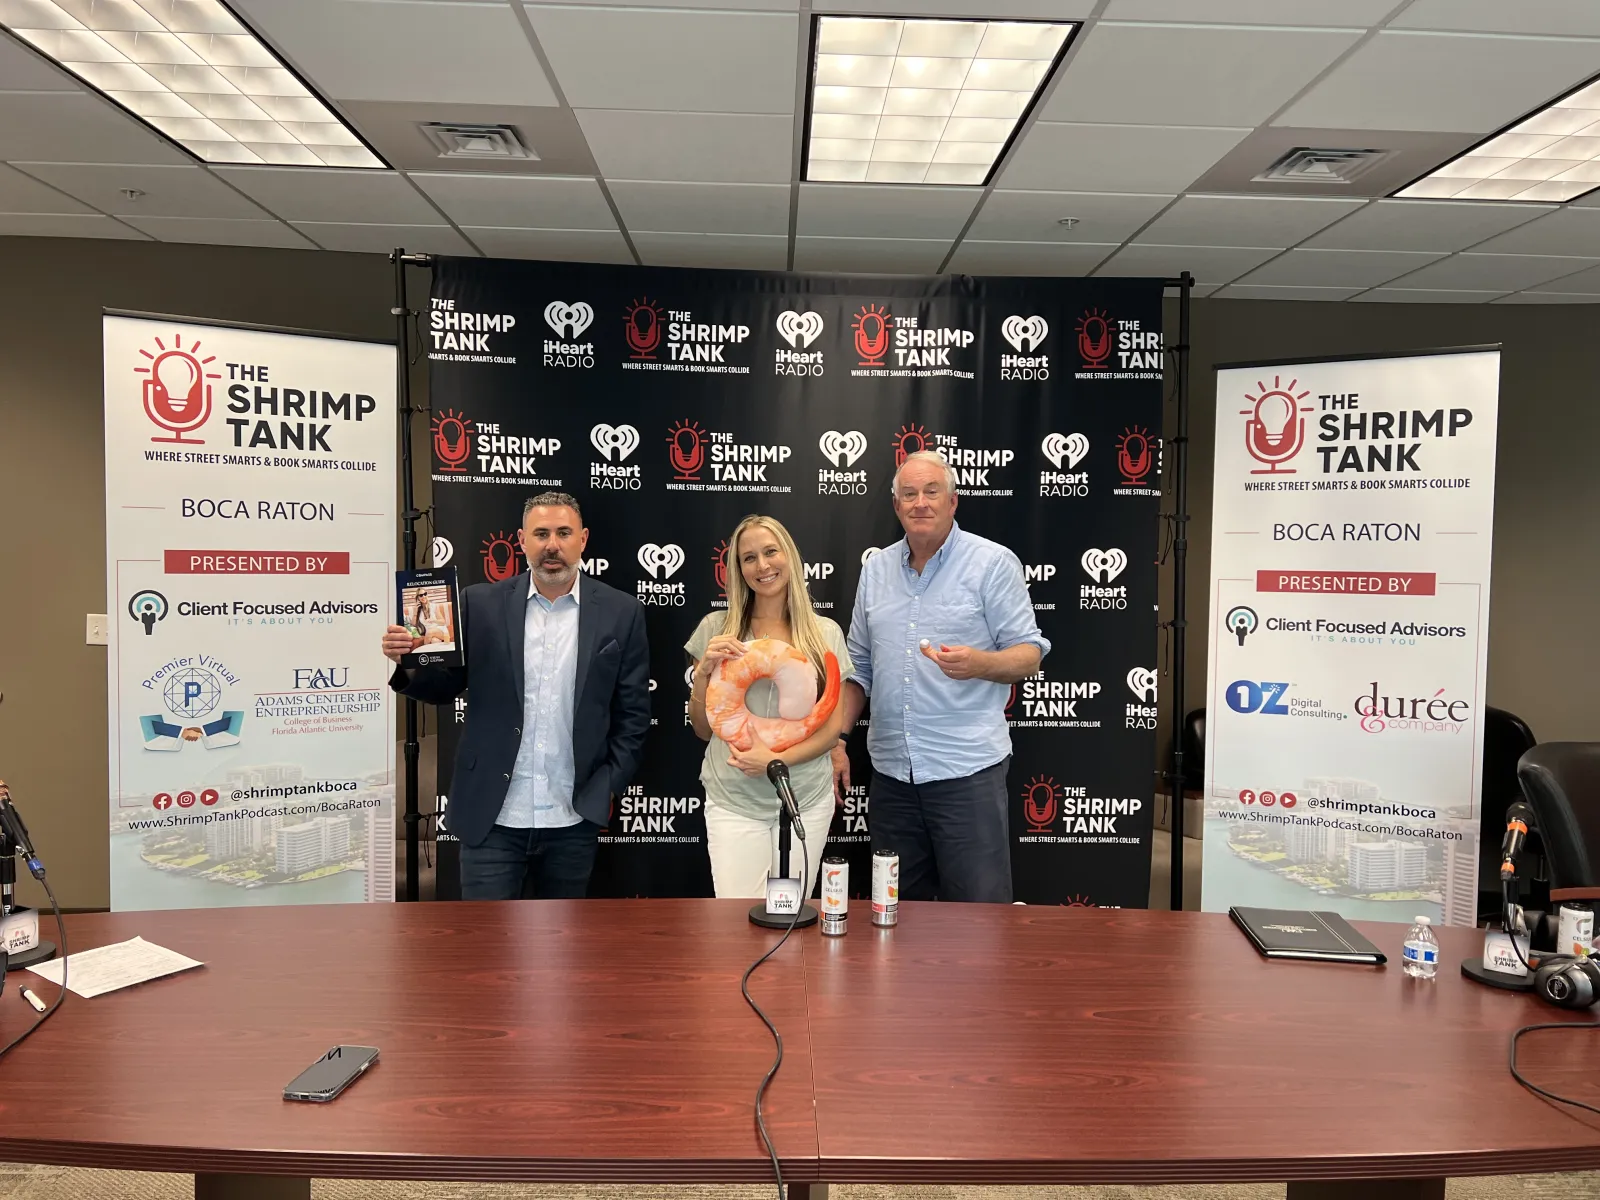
(1075, 1045)
(606, 1040)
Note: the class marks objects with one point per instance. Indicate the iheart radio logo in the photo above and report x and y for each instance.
(799, 329)
(1025, 334)
(614, 442)
(842, 449)
(1073, 447)
(660, 562)
(1142, 683)
(1103, 566)
(568, 320)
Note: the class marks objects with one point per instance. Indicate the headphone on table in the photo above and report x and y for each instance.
(1568, 982)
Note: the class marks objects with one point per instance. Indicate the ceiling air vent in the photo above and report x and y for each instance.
(454, 140)
(1305, 164)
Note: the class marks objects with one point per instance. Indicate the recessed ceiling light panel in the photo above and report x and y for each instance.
(919, 100)
(1552, 155)
(189, 69)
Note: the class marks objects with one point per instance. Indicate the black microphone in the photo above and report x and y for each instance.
(778, 774)
(11, 822)
(1518, 819)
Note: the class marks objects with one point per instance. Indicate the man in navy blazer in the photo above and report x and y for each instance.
(559, 670)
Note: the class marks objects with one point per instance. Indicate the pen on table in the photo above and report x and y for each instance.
(38, 1004)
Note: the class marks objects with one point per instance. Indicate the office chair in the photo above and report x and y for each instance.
(1561, 780)
(1506, 738)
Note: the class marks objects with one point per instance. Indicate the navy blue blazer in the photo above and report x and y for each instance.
(610, 713)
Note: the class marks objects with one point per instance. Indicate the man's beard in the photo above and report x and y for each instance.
(556, 571)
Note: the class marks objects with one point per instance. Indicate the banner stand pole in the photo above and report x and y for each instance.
(1180, 554)
(408, 517)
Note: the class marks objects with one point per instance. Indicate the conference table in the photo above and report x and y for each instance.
(606, 1040)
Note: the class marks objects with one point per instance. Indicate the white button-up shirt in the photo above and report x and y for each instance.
(540, 795)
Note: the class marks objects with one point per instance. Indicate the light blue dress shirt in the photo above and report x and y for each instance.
(540, 795)
(926, 726)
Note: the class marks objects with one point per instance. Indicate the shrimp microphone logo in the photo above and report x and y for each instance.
(686, 450)
(1103, 566)
(642, 328)
(501, 557)
(176, 394)
(910, 440)
(660, 562)
(1274, 431)
(1071, 447)
(452, 440)
(872, 334)
(1040, 800)
(1134, 455)
(1078, 900)
(1094, 339)
(719, 567)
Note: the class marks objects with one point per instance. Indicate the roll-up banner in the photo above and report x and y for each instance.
(1352, 518)
(250, 532)
(671, 403)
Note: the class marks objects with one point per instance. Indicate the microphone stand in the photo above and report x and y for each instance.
(43, 951)
(759, 915)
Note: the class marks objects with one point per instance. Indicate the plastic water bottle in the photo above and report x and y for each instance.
(1422, 950)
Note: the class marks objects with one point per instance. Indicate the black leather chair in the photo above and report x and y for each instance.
(1506, 738)
(1561, 781)
(1194, 750)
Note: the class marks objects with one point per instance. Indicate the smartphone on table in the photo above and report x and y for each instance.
(332, 1073)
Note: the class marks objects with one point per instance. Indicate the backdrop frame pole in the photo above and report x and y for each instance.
(408, 539)
(1180, 564)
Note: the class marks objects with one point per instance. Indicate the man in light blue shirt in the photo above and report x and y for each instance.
(942, 627)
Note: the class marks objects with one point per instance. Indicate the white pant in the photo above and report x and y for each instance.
(743, 849)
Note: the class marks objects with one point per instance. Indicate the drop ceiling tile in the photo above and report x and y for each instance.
(461, 53)
(66, 225)
(394, 129)
(746, 252)
(734, 208)
(1442, 82)
(671, 59)
(24, 70)
(1253, 12)
(1114, 158)
(380, 239)
(556, 245)
(302, 194)
(1547, 298)
(1569, 17)
(869, 255)
(519, 201)
(1339, 268)
(993, 10)
(1425, 296)
(76, 127)
(1036, 216)
(1565, 231)
(1585, 282)
(168, 191)
(706, 147)
(1256, 291)
(218, 231)
(1028, 258)
(862, 210)
(1209, 264)
(1190, 74)
(21, 193)
(1498, 272)
(1244, 220)
(1423, 225)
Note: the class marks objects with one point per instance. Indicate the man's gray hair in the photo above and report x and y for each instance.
(552, 500)
(932, 456)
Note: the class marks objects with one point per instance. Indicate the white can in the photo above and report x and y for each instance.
(835, 896)
(885, 887)
(1575, 930)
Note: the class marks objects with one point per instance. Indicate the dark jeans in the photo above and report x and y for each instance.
(953, 836)
(535, 864)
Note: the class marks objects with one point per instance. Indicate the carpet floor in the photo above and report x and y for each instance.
(69, 1183)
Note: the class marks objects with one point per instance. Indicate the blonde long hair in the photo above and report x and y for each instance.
(804, 628)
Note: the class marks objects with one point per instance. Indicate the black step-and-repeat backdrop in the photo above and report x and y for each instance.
(671, 403)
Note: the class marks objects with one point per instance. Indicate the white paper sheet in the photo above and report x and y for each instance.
(108, 968)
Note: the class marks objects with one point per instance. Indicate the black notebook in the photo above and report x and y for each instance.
(1292, 933)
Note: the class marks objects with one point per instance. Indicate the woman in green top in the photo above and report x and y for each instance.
(767, 598)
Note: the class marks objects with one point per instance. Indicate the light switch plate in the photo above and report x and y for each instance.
(95, 631)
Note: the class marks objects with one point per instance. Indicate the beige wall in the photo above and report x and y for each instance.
(1543, 659)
